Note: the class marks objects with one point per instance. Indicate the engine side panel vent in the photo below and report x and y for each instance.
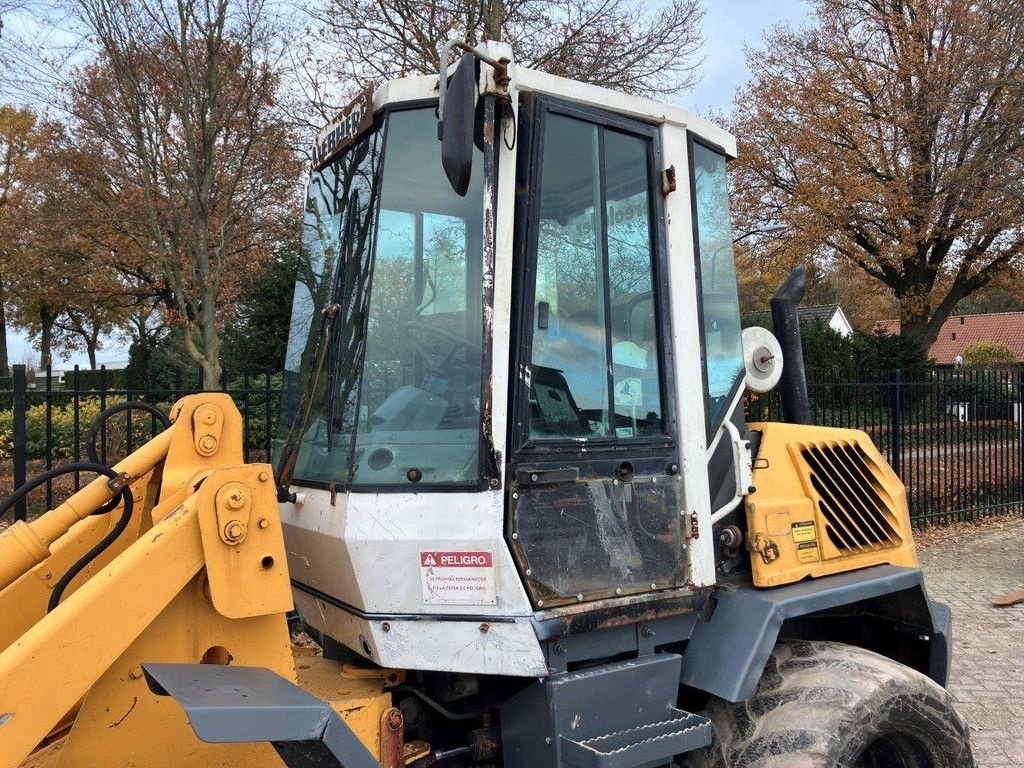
(859, 512)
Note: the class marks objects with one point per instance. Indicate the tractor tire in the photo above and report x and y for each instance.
(829, 705)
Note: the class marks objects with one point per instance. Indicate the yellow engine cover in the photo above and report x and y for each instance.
(826, 502)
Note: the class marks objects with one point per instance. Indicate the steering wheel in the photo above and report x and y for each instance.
(438, 349)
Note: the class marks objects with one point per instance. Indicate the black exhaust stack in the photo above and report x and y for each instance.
(796, 408)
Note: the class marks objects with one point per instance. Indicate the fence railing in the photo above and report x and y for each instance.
(45, 419)
(955, 438)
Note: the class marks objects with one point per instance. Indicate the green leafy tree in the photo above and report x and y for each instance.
(255, 341)
(988, 355)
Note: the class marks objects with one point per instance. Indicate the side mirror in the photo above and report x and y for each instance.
(455, 128)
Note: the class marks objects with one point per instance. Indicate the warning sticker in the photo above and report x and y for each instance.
(807, 552)
(457, 578)
(804, 531)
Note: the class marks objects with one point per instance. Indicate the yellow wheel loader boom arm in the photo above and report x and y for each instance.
(206, 572)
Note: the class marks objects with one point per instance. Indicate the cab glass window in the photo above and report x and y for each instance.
(719, 299)
(594, 361)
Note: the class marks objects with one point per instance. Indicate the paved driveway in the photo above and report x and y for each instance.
(988, 654)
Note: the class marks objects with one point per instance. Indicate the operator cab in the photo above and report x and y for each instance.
(535, 372)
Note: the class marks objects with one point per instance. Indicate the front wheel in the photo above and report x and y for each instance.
(829, 705)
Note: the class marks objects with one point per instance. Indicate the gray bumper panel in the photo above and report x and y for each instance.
(727, 653)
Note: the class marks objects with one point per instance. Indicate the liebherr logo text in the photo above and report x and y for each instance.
(456, 560)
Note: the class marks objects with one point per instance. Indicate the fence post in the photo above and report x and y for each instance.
(896, 406)
(1020, 434)
(20, 404)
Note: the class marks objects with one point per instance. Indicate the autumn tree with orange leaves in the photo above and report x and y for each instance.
(197, 171)
(887, 134)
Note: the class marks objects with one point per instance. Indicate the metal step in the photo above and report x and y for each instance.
(648, 744)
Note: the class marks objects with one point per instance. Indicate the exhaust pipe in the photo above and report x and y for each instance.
(796, 408)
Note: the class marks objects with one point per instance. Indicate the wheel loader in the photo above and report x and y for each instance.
(514, 497)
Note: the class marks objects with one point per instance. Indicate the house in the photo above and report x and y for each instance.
(960, 331)
(831, 315)
(63, 375)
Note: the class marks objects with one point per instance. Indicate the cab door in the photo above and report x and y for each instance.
(594, 492)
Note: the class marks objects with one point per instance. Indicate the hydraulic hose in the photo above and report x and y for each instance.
(101, 419)
(38, 480)
(96, 551)
(112, 535)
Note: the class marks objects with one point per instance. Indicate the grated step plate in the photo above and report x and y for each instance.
(642, 745)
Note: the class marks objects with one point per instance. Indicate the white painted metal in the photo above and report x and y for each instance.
(364, 550)
(476, 647)
(686, 346)
(742, 466)
(628, 105)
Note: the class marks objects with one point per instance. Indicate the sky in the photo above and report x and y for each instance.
(729, 27)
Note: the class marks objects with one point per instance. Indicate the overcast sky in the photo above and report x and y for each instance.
(729, 26)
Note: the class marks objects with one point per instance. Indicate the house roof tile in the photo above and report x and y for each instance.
(959, 331)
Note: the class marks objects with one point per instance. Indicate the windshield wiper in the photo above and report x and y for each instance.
(291, 447)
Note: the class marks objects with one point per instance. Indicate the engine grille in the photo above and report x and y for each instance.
(859, 513)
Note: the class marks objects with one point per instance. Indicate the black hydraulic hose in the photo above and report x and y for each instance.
(124, 493)
(78, 466)
(101, 419)
(92, 554)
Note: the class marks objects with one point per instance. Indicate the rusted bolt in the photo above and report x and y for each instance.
(235, 499)
(395, 719)
(135, 673)
(234, 531)
(208, 443)
(484, 629)
(385, 626)
(264, 476)
(263, 523)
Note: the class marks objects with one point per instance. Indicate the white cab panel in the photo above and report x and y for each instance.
(473, 647)
(364, 549)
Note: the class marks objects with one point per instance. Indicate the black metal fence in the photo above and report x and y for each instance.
(45, 419)
(955, 438)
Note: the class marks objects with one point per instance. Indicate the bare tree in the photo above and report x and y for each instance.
(622, 44)
(197, 168)
(887, 134)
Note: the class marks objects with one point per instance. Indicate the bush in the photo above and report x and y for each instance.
(62, 430)
(988, 355)
(880, 354)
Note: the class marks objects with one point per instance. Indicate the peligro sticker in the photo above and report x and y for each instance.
(457, 578)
